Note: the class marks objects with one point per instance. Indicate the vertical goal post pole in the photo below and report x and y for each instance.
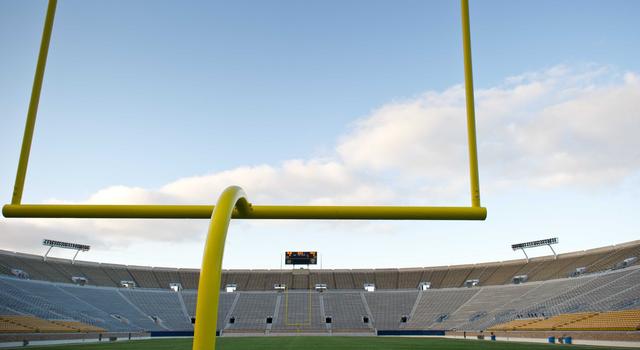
(474, 178)
(34, 101)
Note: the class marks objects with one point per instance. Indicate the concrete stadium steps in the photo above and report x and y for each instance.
(570, 298)
(240, 278)
(34, 266)
(299, 311)
(410, 278)
(455, 277)
(117, 273)
(144, 277)
(225, 304)
(497, 310)
(166, 276)
(618, 254)
(4, 268)
(585, 260)
(48, 301)
(344, 279)
(252, 310)
(388, 307)
(504, 273)
(436, 277)
(606, 295)
(17, 301)
(483, 308)
(626, 299)
(435, 306)
(346, 310)
(5, 310)
(164, 307)
(287, 278)
(528, 303)
(386, 278)
(550, 269)
(360, 277)
(189, 278)
(117, 312)
(96, 276)
(534, 265)
(272, 278)
(482, 272)
(320, 277)
(300, 279)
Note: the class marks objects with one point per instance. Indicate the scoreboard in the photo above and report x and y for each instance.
(301, 258)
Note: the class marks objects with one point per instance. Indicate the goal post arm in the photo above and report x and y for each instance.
(231, 200)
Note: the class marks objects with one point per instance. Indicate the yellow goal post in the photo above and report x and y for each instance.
(233, 202)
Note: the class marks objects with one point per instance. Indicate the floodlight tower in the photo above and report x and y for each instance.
(539, 243)
(64, 245)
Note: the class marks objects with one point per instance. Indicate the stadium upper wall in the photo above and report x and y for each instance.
(490, 273)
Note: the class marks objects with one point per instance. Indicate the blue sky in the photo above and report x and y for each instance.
(145, 94)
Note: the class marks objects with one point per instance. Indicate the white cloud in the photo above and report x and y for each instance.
(557, 127)
(550, 128)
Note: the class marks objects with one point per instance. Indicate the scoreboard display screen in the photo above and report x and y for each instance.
(301, 258)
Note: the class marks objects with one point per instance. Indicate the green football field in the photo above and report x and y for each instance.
(319, 343)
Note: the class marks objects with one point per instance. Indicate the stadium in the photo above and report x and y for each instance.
(151, 109)
(586, 295)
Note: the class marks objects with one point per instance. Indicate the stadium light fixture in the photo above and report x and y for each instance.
(64, 245)
(233, 203)
(539, 243)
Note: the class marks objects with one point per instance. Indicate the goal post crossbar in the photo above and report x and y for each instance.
(87, 211)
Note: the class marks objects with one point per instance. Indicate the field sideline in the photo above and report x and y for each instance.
(315, 343)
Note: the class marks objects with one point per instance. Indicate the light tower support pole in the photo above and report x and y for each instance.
(525, 254)
(44, 258)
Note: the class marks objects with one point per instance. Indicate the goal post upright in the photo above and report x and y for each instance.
(474, 178)
(233, 203)
(29, 127)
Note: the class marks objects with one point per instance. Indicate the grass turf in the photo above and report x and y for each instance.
(315, 343)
